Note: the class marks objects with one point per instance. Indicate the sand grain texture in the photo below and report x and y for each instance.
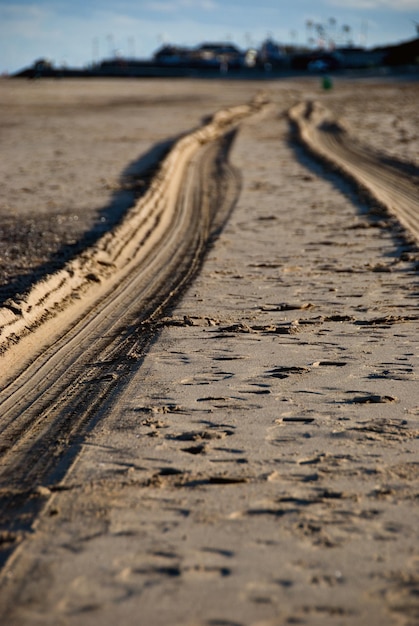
(260, 465)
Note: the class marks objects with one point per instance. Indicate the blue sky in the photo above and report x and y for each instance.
(77, 32)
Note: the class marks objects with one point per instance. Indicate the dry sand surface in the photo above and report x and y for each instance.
(258, 464)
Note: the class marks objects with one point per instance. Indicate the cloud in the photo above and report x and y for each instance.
(368, 5)
(26, 22)
(173, 6)
(63, 36)
(204, 5)
(14, 13)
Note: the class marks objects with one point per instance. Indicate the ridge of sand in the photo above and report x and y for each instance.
(329, 139)
(260, 466)
(116, 251)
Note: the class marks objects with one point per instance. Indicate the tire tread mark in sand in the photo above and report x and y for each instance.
(328, 140)
(44, 436)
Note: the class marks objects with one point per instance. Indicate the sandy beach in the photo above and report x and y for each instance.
(243, 452)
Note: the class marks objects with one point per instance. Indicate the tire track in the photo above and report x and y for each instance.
(328, 139)
(48, 408)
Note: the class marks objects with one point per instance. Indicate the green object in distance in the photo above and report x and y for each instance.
(327, 82)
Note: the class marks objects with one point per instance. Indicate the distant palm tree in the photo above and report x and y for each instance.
(347, 30)
(321, 32)
(309, 27)
(332, 34)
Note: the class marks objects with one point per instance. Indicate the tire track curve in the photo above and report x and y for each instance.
(328, 139)
(64, 389)
(89, 275)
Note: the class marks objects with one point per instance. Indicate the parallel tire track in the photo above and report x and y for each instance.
(48, 409)
(328, 139)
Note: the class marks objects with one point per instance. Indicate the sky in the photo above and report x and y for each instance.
(78, 32)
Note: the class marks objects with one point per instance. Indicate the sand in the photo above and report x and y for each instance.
(258, 465)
